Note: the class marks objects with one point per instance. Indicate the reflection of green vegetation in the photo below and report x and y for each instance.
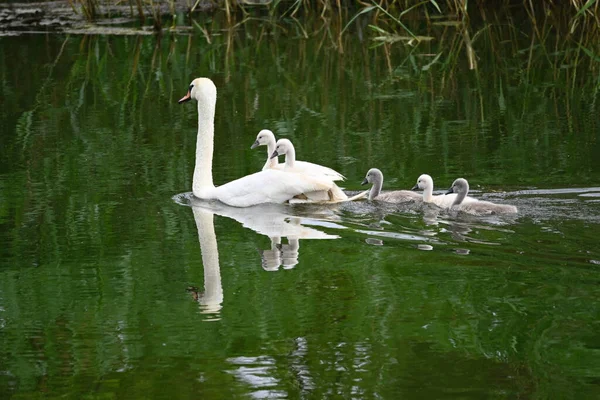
(96, 257)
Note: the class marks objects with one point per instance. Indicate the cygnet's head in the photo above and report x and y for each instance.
(374, 175)
(423, 182)
(282, 147)
(201, 90)
(263, 138)
(459, 186)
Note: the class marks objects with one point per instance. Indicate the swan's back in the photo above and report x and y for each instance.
(399, 196)
(269, 186)
(316, 169)
(482, 207)
(304, 167)
(443, 200)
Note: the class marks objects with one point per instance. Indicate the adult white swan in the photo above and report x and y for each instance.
(269, 186)
(375, 177)
(474, 206)
(266, 138)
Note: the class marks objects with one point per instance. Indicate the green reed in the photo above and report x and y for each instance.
(567, 32)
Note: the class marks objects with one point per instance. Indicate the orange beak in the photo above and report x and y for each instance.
(185, 98)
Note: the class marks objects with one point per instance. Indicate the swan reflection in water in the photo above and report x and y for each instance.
(279, 254)
(272, 220)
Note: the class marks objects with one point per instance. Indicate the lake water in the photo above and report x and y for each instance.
(116, 283)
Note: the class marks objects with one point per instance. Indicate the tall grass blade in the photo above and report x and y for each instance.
(415, 6)
(363, 11)
(396, 20)
(585, 7)
(590, 53)
(435, 4)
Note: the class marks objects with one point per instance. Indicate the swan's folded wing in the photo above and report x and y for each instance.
(444, 200)
(486, 208)
(316, 169)
(399, 196)
(469, 200)
(269, 186)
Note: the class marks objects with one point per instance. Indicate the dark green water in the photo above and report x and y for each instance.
(112, 286)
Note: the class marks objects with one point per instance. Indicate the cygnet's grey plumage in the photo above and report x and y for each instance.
(375, 177)
(473, 206)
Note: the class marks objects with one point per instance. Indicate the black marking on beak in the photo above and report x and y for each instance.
(451, 190)
(365, 181)
(275, 154)
(255, 144)
(416, 187)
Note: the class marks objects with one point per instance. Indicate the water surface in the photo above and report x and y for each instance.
(114, 283)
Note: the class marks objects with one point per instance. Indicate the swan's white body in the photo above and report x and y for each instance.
(269, 186)
(474, 206)
(266, 138)
(375, 177)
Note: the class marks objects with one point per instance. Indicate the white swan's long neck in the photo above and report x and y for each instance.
(460, 196)
(376, 189)
(272, 162)
(203, 183)
(428, 194)
(213, 290)
(290, 157)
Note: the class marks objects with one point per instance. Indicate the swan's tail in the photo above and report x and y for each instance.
(337, 195)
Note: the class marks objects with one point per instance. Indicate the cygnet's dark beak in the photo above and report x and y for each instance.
(416, 187)
(364, 182)
(185, 98)
(275, 154)
(255, 144)
(451, 190)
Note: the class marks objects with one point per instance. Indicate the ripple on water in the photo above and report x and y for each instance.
(427, 227)
(561, 203)
(258, 373)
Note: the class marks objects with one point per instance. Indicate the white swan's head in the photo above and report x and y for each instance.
(374, 175)
(423, 182)
(201, 90)
(263, 138)
(459, 186)
(283, 146)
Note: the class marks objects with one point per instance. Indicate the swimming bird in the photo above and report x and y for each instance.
(375, 177)
(269, 186)
(266, 138)
(474, 206)
(425, 183)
